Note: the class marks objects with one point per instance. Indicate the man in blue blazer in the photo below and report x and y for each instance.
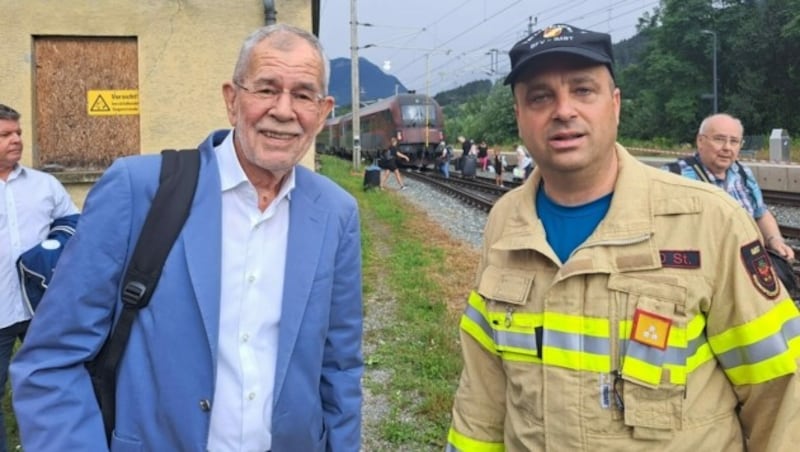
(252, 340)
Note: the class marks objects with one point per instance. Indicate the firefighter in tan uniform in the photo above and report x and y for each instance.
(617, 307)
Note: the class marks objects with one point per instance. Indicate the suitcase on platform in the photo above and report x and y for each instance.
(469, 166)
(372, 177)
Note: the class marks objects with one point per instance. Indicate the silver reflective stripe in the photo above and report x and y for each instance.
(502, 338)
(647, 353)
(672, 355)
(577, 342)
(764, 349)
(474, 315)
(451, 448)
(519, 340)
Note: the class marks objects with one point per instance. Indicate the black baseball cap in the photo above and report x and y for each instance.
(560, 38)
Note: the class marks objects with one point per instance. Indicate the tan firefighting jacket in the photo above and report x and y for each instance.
(661, 327)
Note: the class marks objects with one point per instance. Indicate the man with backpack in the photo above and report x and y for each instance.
(252, 338)
(719, 140)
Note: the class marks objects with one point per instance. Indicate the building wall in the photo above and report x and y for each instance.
(187, 49)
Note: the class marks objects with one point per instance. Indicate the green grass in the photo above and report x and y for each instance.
(419, 346)
(12, 433)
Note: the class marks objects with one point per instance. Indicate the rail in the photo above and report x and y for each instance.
(791, 199)
(481, 192)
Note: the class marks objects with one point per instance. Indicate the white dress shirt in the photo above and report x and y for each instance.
(29, 201)
(253, 264)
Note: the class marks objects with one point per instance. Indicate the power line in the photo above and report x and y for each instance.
(475, 59)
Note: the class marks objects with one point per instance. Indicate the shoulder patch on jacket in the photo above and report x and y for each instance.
(759, 268)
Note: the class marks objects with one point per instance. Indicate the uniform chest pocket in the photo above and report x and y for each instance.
(516, 331)
(653, 351)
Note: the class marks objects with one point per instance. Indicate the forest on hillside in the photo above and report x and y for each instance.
(665, 74)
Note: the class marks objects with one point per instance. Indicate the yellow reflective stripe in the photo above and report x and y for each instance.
(475, 324)
(589, 326)
(476, 332)
(700, 357)
(762, 349)
(754, 331)
(580, 361)
(458, 442)
(777, 366)
(577, 342)
(642, 370)
(698, 349)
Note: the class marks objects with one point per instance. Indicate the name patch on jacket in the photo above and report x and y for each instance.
(650, 329)
(759, 269)
(680, 259)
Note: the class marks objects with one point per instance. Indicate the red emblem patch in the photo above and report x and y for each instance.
(759, 268)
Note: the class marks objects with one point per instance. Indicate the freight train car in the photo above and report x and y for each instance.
(415, 119)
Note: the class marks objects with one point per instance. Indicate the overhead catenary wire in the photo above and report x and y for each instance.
(501, 24)
(505, 40)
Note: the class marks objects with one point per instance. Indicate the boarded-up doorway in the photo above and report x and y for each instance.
(67, 70)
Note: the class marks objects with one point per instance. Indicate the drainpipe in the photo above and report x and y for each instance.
(269, 12)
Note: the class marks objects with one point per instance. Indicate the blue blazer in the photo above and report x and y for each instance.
(167, 375)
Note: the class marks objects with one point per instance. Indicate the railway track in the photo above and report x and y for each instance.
(783, 198)
(482, 193)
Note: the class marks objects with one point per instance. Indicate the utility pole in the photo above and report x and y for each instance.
(356, 87)
(714, 68)
(531, 22)
(493, 65)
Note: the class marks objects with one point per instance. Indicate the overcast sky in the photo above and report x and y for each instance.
(436, 45)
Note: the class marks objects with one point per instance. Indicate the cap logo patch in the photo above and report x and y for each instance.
(759, 269)
(560, 38)
(552, 32)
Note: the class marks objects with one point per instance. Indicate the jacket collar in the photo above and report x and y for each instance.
(621, 242)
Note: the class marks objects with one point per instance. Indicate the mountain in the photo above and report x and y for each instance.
(375, 84)
(463, 93)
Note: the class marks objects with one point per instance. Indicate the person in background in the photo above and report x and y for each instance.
(498, 168)
(483, 155)
(443, 154)
(617, 306)
(252, 340)
(524, 163)
(466, 146)
(719, 140)
(389, 166)
(30, 201)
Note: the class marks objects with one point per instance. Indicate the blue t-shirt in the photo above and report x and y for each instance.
(567, 227)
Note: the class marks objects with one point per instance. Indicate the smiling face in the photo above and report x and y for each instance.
(567, 114)
(268, 107)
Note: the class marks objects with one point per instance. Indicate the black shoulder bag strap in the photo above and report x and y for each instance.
(165, 219)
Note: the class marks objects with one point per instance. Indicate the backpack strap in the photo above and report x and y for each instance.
(698, 168)
(674, 167)
(165, 219)
(703, 175)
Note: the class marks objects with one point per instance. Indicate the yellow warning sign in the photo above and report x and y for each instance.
(112, 102)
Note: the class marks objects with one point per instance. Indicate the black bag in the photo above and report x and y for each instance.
(469, 166)
(372, 177)
(785, 272)
(165, 219)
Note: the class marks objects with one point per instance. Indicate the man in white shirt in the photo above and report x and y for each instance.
(252, 339)
(29, 202)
